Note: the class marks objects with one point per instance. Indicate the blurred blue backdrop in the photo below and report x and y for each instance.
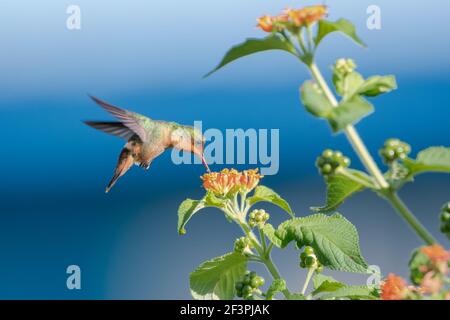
(149, 56)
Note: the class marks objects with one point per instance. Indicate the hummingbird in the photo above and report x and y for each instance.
(146, 138)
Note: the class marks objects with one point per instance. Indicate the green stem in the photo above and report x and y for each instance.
(263, 255)
(351, 132)
(406, 214)
(263, 241)
(308, 279)
(274, 272)
(310, 39)
(301, 42)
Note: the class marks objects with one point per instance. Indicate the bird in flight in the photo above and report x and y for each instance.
(146, 138)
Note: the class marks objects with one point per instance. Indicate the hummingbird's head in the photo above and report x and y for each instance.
(189, 139)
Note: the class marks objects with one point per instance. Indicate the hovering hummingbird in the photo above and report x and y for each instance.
(146, 138)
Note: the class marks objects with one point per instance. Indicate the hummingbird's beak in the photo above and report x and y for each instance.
(204, 163)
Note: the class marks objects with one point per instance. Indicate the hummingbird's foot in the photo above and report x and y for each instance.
(145, 165)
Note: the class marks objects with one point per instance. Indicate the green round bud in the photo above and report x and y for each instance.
(310, 261)
(303, 256)
(346, 162)
(302, 264)
(327, 168)
(246, 291)
(257, 282)
(309, 250)
(327, 153)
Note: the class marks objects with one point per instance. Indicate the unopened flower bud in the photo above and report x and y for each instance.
(330, 161)
(258, 218)
(394, 149)
(343, 67)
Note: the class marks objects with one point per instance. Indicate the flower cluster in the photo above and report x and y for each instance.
(243, 245)
(394, 149)
(292, 18)
(249, 285)
(308, 259)
(258, 217)
(394, 288)
(307, 16)
(343, 67)
(330, 161)
(429, 268)
(272, 23)
(228, 182)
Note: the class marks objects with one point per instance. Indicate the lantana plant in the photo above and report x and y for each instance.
(327, 241)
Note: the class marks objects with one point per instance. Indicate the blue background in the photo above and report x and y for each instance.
(149, 56)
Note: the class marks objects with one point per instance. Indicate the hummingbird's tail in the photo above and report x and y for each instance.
(124, 163)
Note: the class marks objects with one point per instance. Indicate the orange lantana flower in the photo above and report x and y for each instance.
(250, 179)
(438, 256)
(307, 15)
(394, 288)
(436, 253)
(231, 181)
(269, 23)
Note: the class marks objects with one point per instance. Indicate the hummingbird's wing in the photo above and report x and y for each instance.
(132, 120)
(115, 128)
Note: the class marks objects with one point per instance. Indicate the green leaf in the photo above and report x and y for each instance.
(329, 288)
(265, 194)
(315, 100)
(215, 279)
(417, 264)
(339, 188)
(342, 25)
(334, 239)
(353, 293)
(377, 85)
(190, 207)
(347, 86)
(251, 46)
(269, 232)
(185, 212)
(325, 284)
(278, 285)
(433, 159)
(349, 112)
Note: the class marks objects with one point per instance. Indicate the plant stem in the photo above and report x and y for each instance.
(264, 255)
(371, 166)
(308, 279)
(406, 214)
(351, 132)
(263, 241)
(274, 272)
